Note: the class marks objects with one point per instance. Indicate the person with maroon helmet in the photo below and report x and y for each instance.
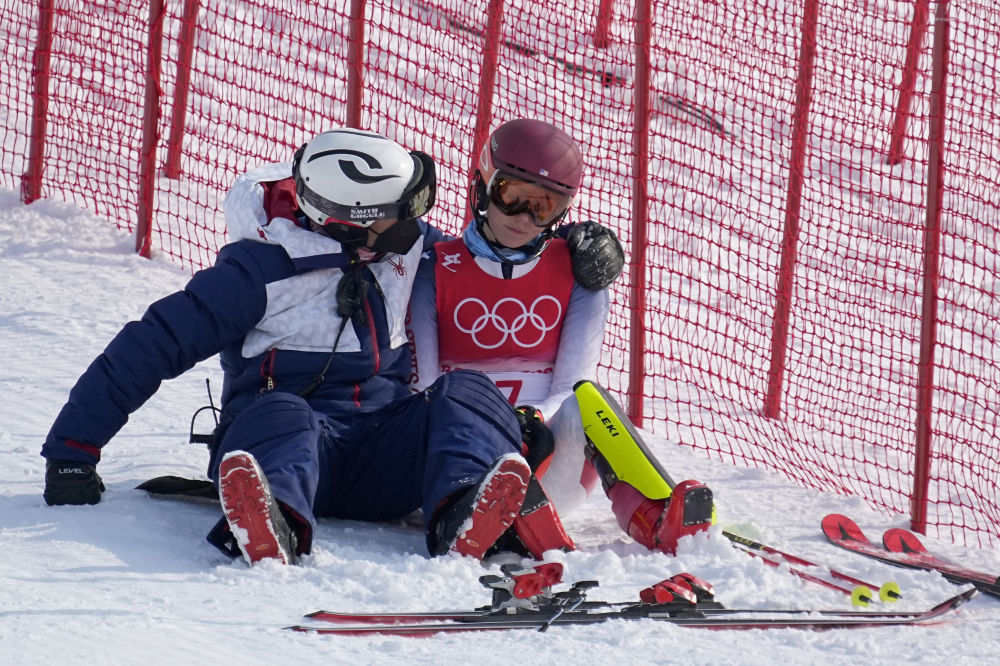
(524, 299)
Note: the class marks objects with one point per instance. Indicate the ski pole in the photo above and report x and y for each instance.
(860, 596)
(887, 592)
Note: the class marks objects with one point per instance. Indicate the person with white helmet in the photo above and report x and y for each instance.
(524, 299)
(306, 307)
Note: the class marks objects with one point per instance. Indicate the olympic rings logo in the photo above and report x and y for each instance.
(527, 316)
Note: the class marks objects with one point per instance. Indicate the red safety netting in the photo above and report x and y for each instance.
(265, 76)
(723, 158)
(966, 463)
(18, 34)
(722, 197)
(94, 112)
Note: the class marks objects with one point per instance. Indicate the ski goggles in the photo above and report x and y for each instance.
(514, 195)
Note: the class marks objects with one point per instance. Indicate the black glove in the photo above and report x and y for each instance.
(70, 482)
(536, 436)
(598, 258)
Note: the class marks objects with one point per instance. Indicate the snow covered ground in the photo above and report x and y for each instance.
(132, 580)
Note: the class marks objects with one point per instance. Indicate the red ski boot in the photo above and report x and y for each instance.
(252, 512)
(658, 524)
(472, 522)
(538, 525)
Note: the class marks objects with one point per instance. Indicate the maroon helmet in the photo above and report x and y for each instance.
(528, 166)
(540, 152)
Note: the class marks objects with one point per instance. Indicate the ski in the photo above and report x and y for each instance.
(904, 551)
(886, 592)
(523, 599)
(175, 487)
(904, 542)
(685, 618)
(529, 591)
(708, 609)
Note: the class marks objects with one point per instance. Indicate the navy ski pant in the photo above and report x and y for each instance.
(410, 454)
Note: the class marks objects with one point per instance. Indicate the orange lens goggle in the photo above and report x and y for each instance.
(514, 196)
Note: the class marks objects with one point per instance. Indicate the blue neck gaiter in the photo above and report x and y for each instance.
(477, 246)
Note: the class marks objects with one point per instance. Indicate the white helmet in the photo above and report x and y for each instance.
(356, 177)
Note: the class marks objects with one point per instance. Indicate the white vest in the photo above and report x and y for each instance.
(301, 313)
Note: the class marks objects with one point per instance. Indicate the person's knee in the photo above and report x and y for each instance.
(275, 419)
(459, 383)
(282, 410)
(470, 397)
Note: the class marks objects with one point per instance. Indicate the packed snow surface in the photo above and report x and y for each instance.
(133, 581)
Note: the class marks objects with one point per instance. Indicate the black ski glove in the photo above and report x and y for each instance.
(70, 482)
(597, 256)
(536, 436)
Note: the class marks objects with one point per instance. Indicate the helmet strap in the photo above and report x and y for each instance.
(296, 160)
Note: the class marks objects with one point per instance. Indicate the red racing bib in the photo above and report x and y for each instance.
(496, 325)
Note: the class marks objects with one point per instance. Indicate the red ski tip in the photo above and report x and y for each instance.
(902, 541)
(841, 528)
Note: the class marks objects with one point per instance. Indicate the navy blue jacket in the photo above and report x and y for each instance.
(215, 313)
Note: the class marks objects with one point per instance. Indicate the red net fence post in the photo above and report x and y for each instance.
(904, 99)
(640, 214)
(356, 65)
(31, 181)
(605, 16)
(964, 463)
(793, 210)
(487, 80)
(150, 130)
(189, 28)
(932, 259)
